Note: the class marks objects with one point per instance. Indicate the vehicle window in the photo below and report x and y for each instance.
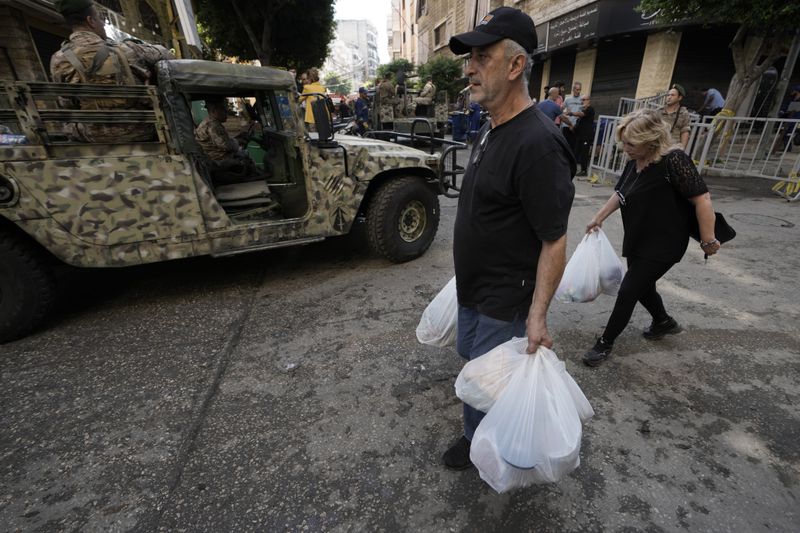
(269, 113)
(285, 110)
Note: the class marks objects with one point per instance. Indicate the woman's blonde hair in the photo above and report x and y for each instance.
(646, 126)
(313, 74)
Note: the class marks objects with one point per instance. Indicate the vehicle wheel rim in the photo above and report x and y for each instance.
(413, 220)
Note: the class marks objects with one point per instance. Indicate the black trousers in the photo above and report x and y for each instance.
(570, 137)
(638, 285)
(583, 148)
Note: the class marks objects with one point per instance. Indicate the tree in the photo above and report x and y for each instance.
(337, 83)
(447, 73)
(394, 67)
(773, 21)
(269, 31)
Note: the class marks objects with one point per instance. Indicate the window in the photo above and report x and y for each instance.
(441, 34)
(422, 8)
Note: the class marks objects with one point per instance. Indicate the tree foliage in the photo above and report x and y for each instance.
(394, 67)
(338, 83)
(774, 21)
(447, 74)
(292, 33)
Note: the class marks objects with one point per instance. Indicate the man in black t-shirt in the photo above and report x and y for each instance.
(584, 133)
(510, 230)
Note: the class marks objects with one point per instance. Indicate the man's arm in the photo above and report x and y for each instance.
(549, 270)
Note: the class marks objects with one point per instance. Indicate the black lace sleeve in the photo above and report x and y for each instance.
(683, 175)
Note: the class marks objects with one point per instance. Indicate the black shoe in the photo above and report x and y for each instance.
(457, 457)
(657, 330)
(599, 353)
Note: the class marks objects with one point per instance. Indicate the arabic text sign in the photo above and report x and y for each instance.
(573, 27)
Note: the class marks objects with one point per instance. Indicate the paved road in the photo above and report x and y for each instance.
(286, 391)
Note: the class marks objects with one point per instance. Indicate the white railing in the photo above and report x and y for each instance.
(626, 105)
(723, 146)
(756, 147)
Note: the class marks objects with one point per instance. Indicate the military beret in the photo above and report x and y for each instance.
(680, 89)
(68, 7)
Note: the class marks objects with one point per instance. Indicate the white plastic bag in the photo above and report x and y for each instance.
(437, 326)
(482, 380)
(593, 269)
(532, 433)
(611, 268)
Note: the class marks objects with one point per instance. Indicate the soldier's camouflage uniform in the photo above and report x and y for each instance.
(88, 58)
(387, 99)
(213, 138)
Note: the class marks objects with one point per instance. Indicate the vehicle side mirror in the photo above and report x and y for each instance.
(322, 119)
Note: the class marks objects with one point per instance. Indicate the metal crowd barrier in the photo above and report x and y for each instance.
(627, 105)
(722, 146)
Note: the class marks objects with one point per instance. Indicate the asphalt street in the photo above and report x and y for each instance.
(286, 391)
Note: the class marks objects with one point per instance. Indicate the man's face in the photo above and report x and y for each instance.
(576, 89)
(673, 97)
(97, 23)
(488, 71)
(218, 112)
(586, 101)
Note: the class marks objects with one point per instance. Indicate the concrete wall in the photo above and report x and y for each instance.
(658, 63)
(584, 69)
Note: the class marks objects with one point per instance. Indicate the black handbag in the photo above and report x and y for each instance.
(723, 231)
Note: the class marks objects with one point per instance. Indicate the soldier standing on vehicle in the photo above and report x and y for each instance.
(387, 96)
(509, 245)
(88, 56)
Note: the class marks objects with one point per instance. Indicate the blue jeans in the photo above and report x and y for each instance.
(478, 334)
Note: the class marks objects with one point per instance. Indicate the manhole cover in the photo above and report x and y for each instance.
(762, 220)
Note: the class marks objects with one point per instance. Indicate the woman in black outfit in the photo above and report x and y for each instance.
(658, 192)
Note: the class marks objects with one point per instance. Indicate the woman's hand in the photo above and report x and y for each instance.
(711, 247)
(593, 225)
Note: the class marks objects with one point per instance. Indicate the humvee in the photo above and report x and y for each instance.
(116, 204)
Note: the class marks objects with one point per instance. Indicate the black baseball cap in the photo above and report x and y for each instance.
(502, 23)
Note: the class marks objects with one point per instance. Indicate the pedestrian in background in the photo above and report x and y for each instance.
(312, 87)
(676, 116)
(548, 106)
(510, 230)
(572, 111)
(713, 102)
(584, 134)
(362, 111)
(654, 192)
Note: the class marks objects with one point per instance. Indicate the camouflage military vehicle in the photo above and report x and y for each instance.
(115, 205)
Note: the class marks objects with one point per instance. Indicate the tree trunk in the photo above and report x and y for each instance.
(249, 30)
(748, 68)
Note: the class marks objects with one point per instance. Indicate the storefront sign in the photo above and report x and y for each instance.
(574, 27)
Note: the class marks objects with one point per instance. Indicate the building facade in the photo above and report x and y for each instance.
(607, 45)
(361, 37)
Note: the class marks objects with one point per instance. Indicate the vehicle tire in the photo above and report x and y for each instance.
(402, 219)
(27, 287)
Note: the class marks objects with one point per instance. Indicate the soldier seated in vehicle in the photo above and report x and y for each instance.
(424, 102)
(231, 163)
(90, 57)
